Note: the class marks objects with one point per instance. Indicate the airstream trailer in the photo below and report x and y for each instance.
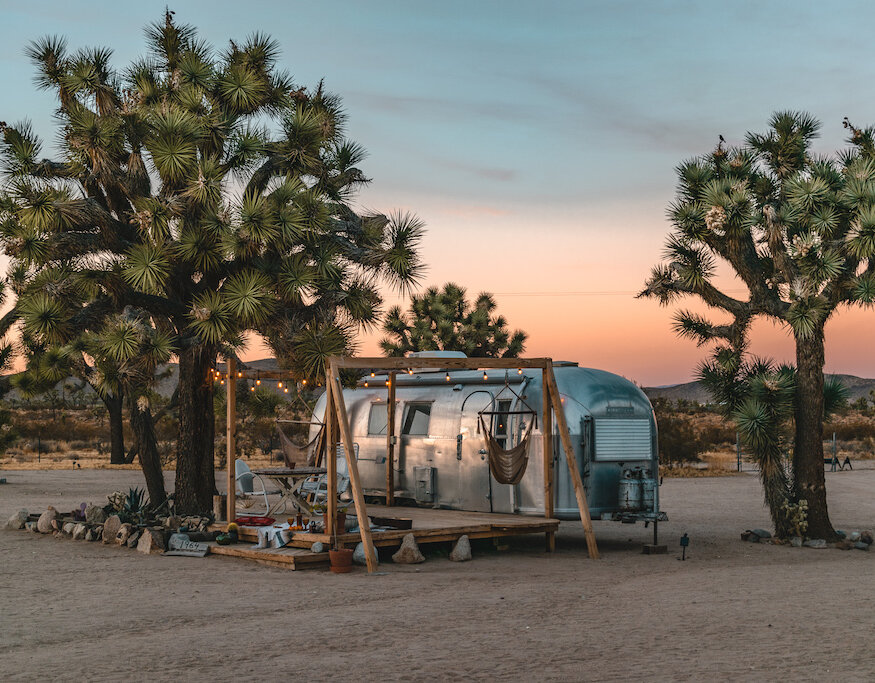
(441, 450)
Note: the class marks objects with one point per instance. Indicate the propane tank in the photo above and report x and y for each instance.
(648, 494)
(630, 491)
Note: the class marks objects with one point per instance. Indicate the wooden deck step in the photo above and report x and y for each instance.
(282, 558)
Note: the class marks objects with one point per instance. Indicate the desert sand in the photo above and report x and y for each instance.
(73, 610)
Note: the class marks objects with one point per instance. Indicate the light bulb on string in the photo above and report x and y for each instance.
(286, 390)
(239, 374)
(366, 383)
(304, 382)
(373, 374)
(448, 377)
(251, 388)
(258, 382)
(279, 385)
(519, 371)
(485, 376)
(387, 382)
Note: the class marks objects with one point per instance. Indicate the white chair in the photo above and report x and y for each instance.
(247, 491)
(318, 486)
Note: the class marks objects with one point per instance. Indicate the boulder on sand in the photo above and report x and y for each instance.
(18, 520)
(409, 552)
(110, 528)
(44, 524)
(462, 550)
(79, 532)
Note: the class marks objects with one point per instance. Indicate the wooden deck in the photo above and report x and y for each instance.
(427, 526)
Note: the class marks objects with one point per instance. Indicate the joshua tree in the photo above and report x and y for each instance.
(442, 319)
(798, 230)
(210, 193)
(759, 397)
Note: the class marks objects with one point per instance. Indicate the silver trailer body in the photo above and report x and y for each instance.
(440, 458)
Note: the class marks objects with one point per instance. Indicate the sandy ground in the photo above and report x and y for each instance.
(732, 611)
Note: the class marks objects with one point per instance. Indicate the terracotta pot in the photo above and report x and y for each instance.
(341, 560)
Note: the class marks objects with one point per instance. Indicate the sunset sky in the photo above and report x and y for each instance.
(537, 140)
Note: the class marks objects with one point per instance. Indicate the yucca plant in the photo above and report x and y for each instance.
(798, 231)
(206, 190)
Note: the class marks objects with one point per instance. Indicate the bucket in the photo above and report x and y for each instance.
(341, 560)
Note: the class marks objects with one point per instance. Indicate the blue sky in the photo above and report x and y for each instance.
(537, 140)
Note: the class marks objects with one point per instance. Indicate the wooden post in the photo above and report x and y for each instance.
(390, 443)
(330, 464)
(230, 437)
(352, 465)
(572, 462)
(547, 436)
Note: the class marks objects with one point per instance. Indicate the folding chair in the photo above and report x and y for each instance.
(246, 489)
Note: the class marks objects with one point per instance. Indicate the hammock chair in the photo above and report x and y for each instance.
(300, 456)
(508, 465)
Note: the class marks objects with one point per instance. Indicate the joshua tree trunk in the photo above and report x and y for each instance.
(116, 428)
(808, 452)
(195, 475)
(147, 450)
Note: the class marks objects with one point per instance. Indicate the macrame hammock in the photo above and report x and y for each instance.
(300, 456)
(308, 454)
(508, 465)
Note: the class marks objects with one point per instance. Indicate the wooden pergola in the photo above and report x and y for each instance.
(337, 426)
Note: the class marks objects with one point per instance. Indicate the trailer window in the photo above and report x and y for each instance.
(378, 419)
(416, 416)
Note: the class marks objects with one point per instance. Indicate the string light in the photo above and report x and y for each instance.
(223, 381)
(410, 371)
(485, 376)
(304, 382)
(258, 382)
(373, 374)
(448, 377)
(366, 383)
(251, 388)
(286, 390)
(519, 371)
(387, 382)
(280, 385)
(240, 374)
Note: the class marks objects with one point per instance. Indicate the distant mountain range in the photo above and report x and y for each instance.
(690, 391)
(694, 391)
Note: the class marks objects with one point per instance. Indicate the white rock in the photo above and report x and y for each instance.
(121, 536)
(409, 552)
(317, 547)
(68, 528)
(18, 520)
(79, 532)
(110, 529)
(44, 525)
(358, 555)
(462, 550)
